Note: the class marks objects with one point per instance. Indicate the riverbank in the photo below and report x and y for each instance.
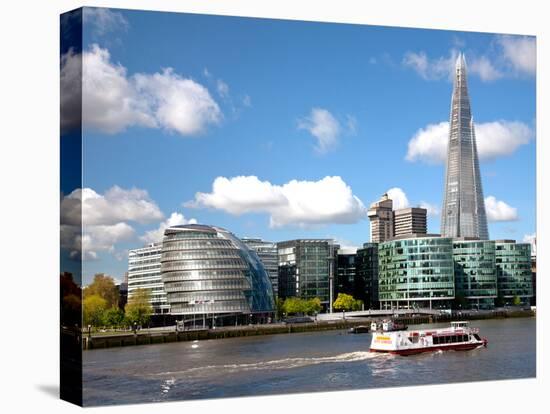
(90, 342)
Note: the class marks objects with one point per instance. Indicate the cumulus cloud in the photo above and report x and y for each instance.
(323, 126)
(156, 235)
(520, 52)
(296, 203)
(398, 197)
(498, 210)
(494, 140)
(113, 101)
(103, 219)
(103, 21)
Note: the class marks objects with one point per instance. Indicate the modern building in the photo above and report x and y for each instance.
(514, 277)
(306, 269)
(463, 210)
(411, 220)
(366, 269)
(380, 215)
(475, 273)
(416, 272)
(212, 278)
(267, 251)
(346, 276)
(144, 273)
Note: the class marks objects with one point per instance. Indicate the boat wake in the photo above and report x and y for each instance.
(278, 364)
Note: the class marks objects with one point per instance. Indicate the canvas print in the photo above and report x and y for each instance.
(258, 206)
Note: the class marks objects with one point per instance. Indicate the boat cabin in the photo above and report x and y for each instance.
(460, 324)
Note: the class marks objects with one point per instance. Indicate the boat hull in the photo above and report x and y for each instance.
(412, 351)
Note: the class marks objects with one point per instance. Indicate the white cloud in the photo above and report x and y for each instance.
(102, 21)
(155, 236)
(432, 209)
(494, 140)
(398, 197)
(103, 219)
(431, 69)
(484, 68)
(520, 52)
(116, 205)
(70, 93)
(179, 104)
(112, 101)
(499, 211)
(296, 203)
(324, 127)
(429, 144)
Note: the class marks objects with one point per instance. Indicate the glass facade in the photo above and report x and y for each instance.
(366, 267)
(144, 273)
(207, 270)
(475, 273)
(346, 276)
(267, 252)
(514, 277)
(305, 269)
(463, 211)
(416, 272)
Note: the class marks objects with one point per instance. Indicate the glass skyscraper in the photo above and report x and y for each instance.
(463, 210)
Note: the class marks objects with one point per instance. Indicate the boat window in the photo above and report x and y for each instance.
(477, 337)
(435, 340)
(453, 339)
(465, 338)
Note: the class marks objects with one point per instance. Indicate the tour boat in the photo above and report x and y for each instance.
(387, 325)
(459, 337)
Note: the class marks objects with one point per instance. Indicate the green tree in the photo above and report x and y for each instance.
(357, 305)
(344, 302)
(113, 317)
(94, 310)
(104, 287)
(138, 309)
(516, 301)
(293, 306)
(312, 306)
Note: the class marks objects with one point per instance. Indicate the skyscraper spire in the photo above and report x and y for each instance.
(463, 210)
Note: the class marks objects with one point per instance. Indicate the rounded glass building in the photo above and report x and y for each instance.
(416, 273)
(212, 278)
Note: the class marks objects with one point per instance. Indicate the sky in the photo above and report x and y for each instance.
(285, 129)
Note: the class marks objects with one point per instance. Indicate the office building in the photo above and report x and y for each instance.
(366, 269)
(346, 276)
(380, 215)
(144, 273)
(514, 277)
(306, 269)
(463, 209)
(416, 272)
(411, 220)
(475, 274)
(212, 278)
(267, 251)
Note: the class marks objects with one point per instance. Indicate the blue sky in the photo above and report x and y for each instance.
(283, 101)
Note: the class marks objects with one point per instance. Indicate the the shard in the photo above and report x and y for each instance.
(463, 210)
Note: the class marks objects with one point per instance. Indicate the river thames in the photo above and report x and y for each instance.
(292, 363)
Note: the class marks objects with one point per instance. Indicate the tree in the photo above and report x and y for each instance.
(104, 287)
(516, 301)
(94, 310)
(293, 306)
(357, 305)
(312, 306)
(113, 317)
(344, 302)
(138, 309)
